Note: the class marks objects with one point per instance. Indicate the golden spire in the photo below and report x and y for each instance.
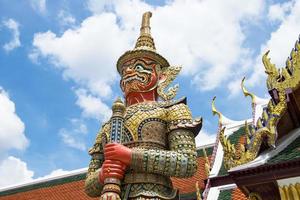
(144, 46)
(145, 41)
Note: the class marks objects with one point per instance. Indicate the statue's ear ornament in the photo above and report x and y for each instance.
(167, 75)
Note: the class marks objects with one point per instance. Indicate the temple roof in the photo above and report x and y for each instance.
(291, 152)
(287, 149)
(230, 194)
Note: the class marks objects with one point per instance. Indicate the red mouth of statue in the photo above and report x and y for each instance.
(138, 82)
(134, 77)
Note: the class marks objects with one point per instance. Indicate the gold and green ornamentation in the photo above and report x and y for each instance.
(278, 81)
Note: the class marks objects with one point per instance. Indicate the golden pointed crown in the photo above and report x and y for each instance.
(144, 46)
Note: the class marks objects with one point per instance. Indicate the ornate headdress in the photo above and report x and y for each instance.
(145, 47)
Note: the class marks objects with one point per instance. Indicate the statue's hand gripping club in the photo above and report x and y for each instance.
(116, 158)
(118, 152)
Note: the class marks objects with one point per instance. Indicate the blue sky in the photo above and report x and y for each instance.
(58, 76)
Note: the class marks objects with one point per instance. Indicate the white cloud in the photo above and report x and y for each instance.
(92, 106)
(86, 54)
(71, 140)
(99, 6)
(39, 6)
(74, 136)
(79, 126)
(206, 37)
(280, 44)
(13, 26)
(54, 173)
(65, 18)
(11, 126)
(234, 87)
(14, 171)
(204, 138)
(12, 136)
(278, 12)
(208, 50)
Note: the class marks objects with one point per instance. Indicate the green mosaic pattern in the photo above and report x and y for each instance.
(291, 152)
(225, 195)
(189, 196)
(208, 150)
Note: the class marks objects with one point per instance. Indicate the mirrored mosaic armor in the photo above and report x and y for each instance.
(159, 134)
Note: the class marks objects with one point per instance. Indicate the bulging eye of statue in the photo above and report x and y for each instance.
(139, 68)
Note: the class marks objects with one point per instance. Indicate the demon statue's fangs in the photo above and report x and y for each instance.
(147, 140)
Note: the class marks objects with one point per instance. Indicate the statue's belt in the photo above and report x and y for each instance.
(133, 177)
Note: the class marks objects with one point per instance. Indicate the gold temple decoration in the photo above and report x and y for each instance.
(118, 108)
(245, 91)
(170, 74)
(145, 41)
(254, 196)
(215, 111)
(278, 81)
(287, 77)
(207, 163)
(253, 99)
(198, 193)
(290, 192)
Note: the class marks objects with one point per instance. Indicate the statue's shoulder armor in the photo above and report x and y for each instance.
(101, 138)
(180, 117)
(179, 112)
(170, 103)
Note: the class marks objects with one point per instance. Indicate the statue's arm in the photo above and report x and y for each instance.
(181, 158)
(93, 187)
(179, 161)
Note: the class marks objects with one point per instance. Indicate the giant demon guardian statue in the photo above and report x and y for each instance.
(146, 141)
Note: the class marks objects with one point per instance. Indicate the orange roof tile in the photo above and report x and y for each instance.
(187, 185)
(238, 195)
(72, 190)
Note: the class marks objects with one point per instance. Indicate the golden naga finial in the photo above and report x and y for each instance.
(145, 41)
(266, 125)
(270, 68)
(245, 91)
(215, 111)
